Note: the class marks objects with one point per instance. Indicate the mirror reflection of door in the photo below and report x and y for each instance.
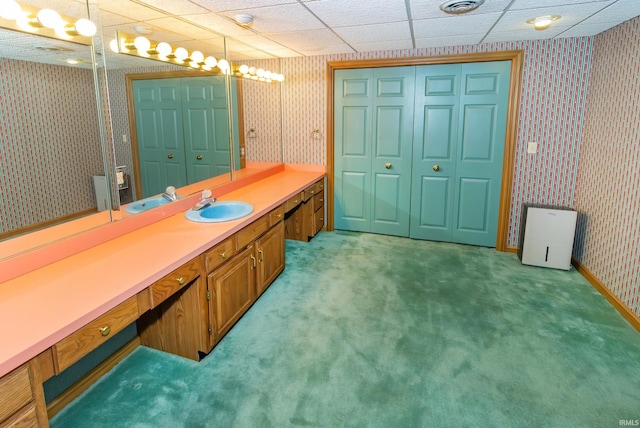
(182, 130)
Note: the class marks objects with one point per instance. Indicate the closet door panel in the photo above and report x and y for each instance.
(434, 151)
(482, 128)
(392, 141)
(352, 134)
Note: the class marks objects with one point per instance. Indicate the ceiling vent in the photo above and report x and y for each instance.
(457, 7)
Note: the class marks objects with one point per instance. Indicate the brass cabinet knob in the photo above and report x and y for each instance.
(105, 330)
(170, 156)
(223, 255)
(199, 157)
(436, 168)
(387, 165)
(180, 280)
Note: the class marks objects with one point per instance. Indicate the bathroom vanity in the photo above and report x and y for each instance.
(185, 284)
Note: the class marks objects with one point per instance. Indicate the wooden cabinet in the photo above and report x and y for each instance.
(236, 284)
(22, 399)
(232, 291)
(305, 219)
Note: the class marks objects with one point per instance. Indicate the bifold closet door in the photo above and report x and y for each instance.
(158, 111)
(373, 137)
(459, 135)
(206, 127)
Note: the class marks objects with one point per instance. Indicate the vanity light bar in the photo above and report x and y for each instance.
(140, 46)
(45, 22)
(259, 74)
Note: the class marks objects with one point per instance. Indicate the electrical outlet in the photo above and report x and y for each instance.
(532, 147)
(124, 138)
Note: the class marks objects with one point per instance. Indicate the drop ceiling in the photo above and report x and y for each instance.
(298, 28)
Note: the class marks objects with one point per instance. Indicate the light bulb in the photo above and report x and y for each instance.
(210, 62)
(63, 32)
(181, 54)
(543, 22)
(268, 74)
(244, 69)
(197, 57)
(86, 28)
(223, 65)
(260, 72)
(113, 45)
(252, 70)
(23, 22)
(164, 49)
(10, 9)
(142, 44)
(49, 18)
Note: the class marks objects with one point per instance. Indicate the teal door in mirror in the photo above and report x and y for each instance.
(182, 129)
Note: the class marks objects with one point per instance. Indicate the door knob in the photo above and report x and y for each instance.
(436, 168)
(387, 165)
(170, 156)
(199, 157)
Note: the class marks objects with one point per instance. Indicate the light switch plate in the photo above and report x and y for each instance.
(532, 147)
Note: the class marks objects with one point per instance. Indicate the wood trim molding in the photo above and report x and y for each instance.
(615, 301)
(90, 378)
(517, 59)
(42, 225)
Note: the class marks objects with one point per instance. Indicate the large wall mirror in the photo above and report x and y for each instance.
(51, 149)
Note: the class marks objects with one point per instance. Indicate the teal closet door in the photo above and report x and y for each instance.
(158, 111)
(484, 101)
(352, 137)
(393, 101)
(373, 134)
(206, 127)
(460, 127)
(434, 151)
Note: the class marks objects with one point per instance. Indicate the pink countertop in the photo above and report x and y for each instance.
(41, 307)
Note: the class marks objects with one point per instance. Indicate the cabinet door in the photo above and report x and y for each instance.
(232, 289)
(270, 255)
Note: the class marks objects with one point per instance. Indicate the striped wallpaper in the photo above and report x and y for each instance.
(49, 142)
(608, 184)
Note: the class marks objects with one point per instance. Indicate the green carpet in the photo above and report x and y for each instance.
(366, 330)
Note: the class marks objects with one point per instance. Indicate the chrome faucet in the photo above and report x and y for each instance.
(170, 194)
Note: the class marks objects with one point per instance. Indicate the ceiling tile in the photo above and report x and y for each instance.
(449, 41)
(180, 27)
(527, 34)
(375, 32)
(132, 10)
(341, 13)
(176, 7)
(258, 41)
(220, 24)
(327, 50)
(551, 4)
(311, 38)
(583, 30)
(453, 26)
(383, 46)
(618, 12)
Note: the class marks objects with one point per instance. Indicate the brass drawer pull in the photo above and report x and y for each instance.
(180, 280)
(105, 330)
(223, 255)
(254, 262)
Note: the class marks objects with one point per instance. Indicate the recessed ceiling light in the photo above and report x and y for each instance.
(543, 22)
(460, 6)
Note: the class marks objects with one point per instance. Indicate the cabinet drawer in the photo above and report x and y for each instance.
(24, 419)
(276, 215)
(252, 231)
(318, 201)
(164, 288)
(78, 344)
(293, 202)
(319, 220)
(15, 391)
(219, 254)
(319, 186)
